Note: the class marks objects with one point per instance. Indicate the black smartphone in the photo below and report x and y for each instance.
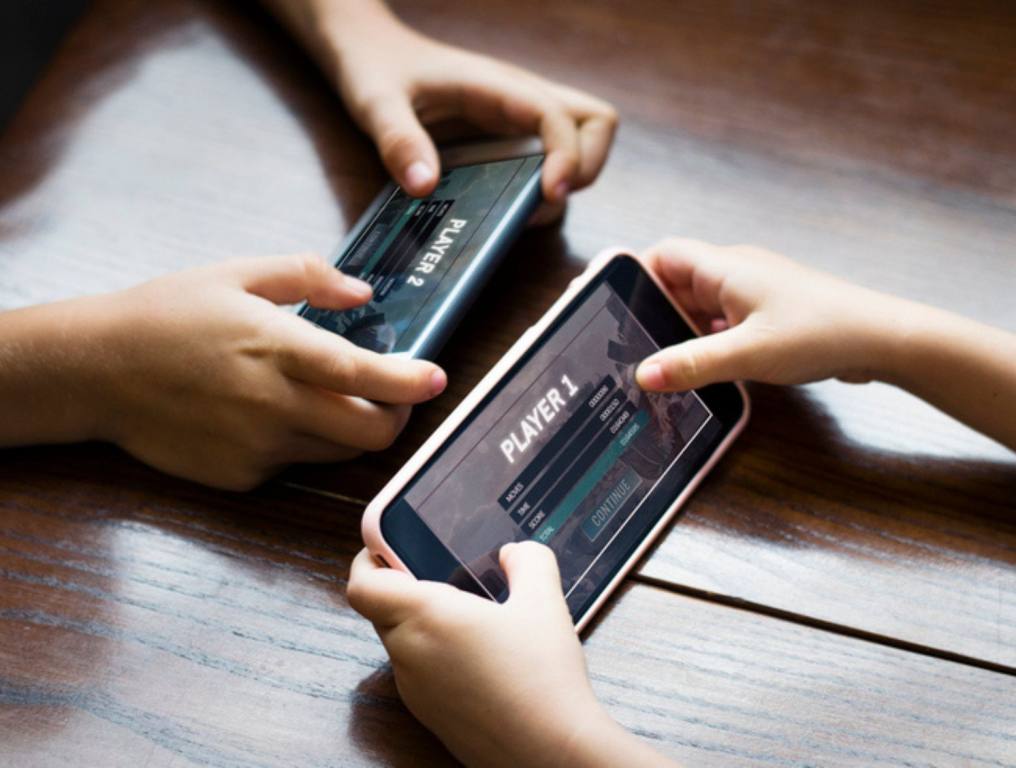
(558, 443)
(427, 259)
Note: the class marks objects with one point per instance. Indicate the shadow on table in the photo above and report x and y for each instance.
(381, 726)
(804, 452)
(95, 65)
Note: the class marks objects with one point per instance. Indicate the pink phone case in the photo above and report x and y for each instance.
(371, 523)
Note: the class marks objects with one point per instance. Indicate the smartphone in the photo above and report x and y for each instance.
(558, 443)
(427, 259)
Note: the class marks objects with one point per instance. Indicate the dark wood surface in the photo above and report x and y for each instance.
(156, 620)
(840, 591)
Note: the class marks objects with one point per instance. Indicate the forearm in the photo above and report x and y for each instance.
(960, 366)
(327, 27)
(50, 389)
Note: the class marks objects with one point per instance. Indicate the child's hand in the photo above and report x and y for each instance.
(394, 81)
(500, 685)
(770, 320)
(201, 375)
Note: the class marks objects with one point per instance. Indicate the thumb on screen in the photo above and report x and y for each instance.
(531, 569)
(724, 356)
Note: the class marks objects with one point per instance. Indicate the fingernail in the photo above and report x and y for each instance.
(650, 376)
(418, 174)
(561, 191)
(359, 287)
(438, 382)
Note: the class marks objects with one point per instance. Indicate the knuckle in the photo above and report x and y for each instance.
(436, 617)
(259, 442)
(662, 250)
(416, 636)
(371, 102)
(308, 264)
(268, 400)
(384, 431)
(343, 369)
(380, 439)
(242, 479)
(266, 448)
(683, 368)
(351, 368)
(554, 108)
(259, 399)
(260, 332)
(395, 141)
(358, 596)
(347, 453)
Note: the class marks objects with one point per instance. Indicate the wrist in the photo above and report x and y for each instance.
(334, 32)
(84, 372)
(876, 340)
(51, 383)
(596, 739)
(899, 335)
(927, 340)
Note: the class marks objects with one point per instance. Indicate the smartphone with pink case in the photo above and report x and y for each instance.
(558, 444)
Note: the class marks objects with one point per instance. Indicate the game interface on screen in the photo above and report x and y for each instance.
(415, 250)
(567, 453)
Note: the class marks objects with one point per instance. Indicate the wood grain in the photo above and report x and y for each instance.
(159, 621)
(144, 619)
(712, 685)
(904, 542)
(856, 505)
(167, 135)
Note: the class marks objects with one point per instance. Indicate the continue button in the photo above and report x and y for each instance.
(593, 525)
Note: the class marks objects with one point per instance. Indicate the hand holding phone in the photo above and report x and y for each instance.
(397, 82)
(427, 259)
(471, 669)
(767, 318)
(780, 322)
(201, 375)
(559, 444)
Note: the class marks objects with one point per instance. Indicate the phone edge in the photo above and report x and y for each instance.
(489, 257)
(493, 250)
(667, 517)
(370, 524)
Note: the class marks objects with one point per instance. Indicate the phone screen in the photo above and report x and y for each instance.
(414, 252)
(568, 450)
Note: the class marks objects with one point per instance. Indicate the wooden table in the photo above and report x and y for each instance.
(841, 591)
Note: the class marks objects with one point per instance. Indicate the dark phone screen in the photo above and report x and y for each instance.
(415, 251)
(567, 450)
